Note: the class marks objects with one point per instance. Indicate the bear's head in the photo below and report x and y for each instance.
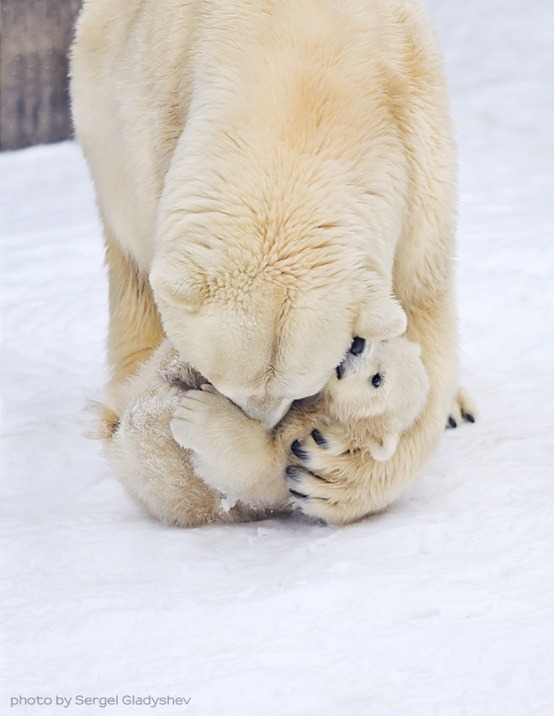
(268, 333)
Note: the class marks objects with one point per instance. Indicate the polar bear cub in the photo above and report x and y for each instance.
(192, 457)
(377, 393)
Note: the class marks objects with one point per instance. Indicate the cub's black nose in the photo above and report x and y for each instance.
(357, 347)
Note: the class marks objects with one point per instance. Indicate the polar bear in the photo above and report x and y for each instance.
(374, 395)
(260, 168)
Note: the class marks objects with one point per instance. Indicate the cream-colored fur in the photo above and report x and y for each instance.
(235, 455)
(137, 439)
(240, 463)
(271, 167)
(377, 395)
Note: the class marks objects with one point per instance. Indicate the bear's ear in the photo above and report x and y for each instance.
(175, 283)
(381, 317)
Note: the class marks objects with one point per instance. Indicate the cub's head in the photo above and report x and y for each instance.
(265, 334)
(377, 378)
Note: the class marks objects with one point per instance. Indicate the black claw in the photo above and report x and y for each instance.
(468, 417)
(296, 448)
(318, 437)
(290, 472)
(451, 422)
(299, 495)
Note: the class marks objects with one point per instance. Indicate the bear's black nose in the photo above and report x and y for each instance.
(357, 347)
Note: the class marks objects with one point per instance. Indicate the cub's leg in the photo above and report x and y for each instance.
(231, 452)
(135, 329)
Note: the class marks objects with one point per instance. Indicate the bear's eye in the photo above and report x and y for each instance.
(357, 347)
(376, 380)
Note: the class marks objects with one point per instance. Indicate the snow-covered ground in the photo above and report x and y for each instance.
(444, 605)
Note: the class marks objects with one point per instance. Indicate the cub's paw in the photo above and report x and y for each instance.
(317, 478)
(203, 419)
(463, 409)
(229, 451)
(316, 450)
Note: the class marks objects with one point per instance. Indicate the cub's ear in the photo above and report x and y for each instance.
(177, 283)
(382, 317)
(386, 449)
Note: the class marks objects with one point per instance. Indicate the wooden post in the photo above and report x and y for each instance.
(35, 36)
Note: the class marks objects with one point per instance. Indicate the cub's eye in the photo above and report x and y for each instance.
(357, 347)
(376, 380)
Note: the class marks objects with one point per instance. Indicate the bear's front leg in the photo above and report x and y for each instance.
(230, 452)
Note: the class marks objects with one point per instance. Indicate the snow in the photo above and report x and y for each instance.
(444, 605)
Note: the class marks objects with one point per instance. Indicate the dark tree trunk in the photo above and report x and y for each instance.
(34, 97)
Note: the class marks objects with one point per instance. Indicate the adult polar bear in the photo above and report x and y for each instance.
(264, 170)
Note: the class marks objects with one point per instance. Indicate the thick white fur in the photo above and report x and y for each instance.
(239, 462)
(233, 454)
(138, 442)
(273, 167)
(375, 417)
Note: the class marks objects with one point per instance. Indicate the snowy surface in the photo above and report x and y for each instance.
(442, 606)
